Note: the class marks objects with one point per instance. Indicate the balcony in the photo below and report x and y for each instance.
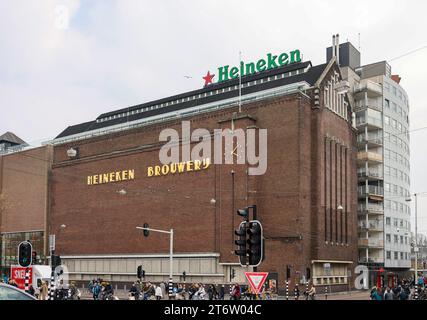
(371, 122)
(369, 103)
(371, 243)
(373, 90)
(370, 174)
(372, 140)
(371, 191)
(370, 157)
(371, 209)
(371, 260)
(372, 226)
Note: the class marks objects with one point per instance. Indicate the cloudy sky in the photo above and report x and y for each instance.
(64, 62)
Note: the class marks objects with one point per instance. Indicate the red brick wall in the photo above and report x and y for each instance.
(23, 189)
(289, 196)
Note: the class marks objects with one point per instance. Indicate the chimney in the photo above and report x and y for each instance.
(338, 49)
(396, 78)
(333, 47)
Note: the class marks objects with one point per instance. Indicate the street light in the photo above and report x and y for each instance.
(170, 251)
(409, 199)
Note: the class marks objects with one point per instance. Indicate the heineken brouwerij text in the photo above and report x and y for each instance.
(273, 61)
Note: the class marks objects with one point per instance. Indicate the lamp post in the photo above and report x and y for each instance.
(416, 238)
(170, 232)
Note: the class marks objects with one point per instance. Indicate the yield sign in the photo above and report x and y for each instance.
(256, 280)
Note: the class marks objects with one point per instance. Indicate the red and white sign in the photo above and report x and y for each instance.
(18, 274)
(256, 280)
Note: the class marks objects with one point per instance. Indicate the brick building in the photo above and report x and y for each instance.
(24, 176)
(306, 199)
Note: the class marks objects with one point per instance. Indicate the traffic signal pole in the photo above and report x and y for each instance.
(170, 232)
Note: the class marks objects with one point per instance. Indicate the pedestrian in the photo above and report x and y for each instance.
(43, 291)
(403, 295)
(235, 292)
(163, 287)
(96, 291)
(388, 295)
(159, 292)
(221, 292)
(31, 290)
(134, 291)
(311, 294)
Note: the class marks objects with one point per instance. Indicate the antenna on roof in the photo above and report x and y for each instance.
(240, 82)
(360, 48)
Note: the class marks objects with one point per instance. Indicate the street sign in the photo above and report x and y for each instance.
(17, 273)
(256, 280)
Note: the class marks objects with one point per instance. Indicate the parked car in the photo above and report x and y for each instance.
(8, 292)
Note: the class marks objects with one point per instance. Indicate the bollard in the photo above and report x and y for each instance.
(416, 293)
(287, 290)
(296, 292)
(326, 292)
(27, 279)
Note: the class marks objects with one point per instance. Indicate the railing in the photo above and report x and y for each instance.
(374, 208)
(370, 156)
(372, 225)
(363, 173)
(371, 260)
(373, 138)
(369, 86)
(369, 121)
(371, 243)
(373, 190)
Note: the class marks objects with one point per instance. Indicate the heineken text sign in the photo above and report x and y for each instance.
(270, 62)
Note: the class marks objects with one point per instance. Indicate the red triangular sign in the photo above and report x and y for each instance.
(256, 280)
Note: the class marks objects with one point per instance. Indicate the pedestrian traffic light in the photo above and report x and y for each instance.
(241, 251)
(255, 243)
(25, 254)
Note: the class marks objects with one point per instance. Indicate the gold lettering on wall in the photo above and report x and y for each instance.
(117, 176)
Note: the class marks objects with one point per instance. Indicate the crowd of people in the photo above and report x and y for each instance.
(404, 290)
(101, 290)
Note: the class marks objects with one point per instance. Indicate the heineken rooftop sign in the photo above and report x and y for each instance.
(270, 62)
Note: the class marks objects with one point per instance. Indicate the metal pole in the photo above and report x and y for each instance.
(171, 264)
(416, 242)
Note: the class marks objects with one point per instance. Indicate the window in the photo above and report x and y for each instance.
(401, 240)
(387, 120)
(401, 256)
(388, 238)
(396, 239)
(389, 255)
(396, 255)
(387, 103)
(388, 221)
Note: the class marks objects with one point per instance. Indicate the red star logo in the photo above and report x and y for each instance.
(208, 78)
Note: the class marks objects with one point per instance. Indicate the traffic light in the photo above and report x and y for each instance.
(255, 243)
(56, 261)
(244, 213)
(241, 251)
(25, 254)
(146, 232)
(288, 272)
(139, 272)
(233, 274)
